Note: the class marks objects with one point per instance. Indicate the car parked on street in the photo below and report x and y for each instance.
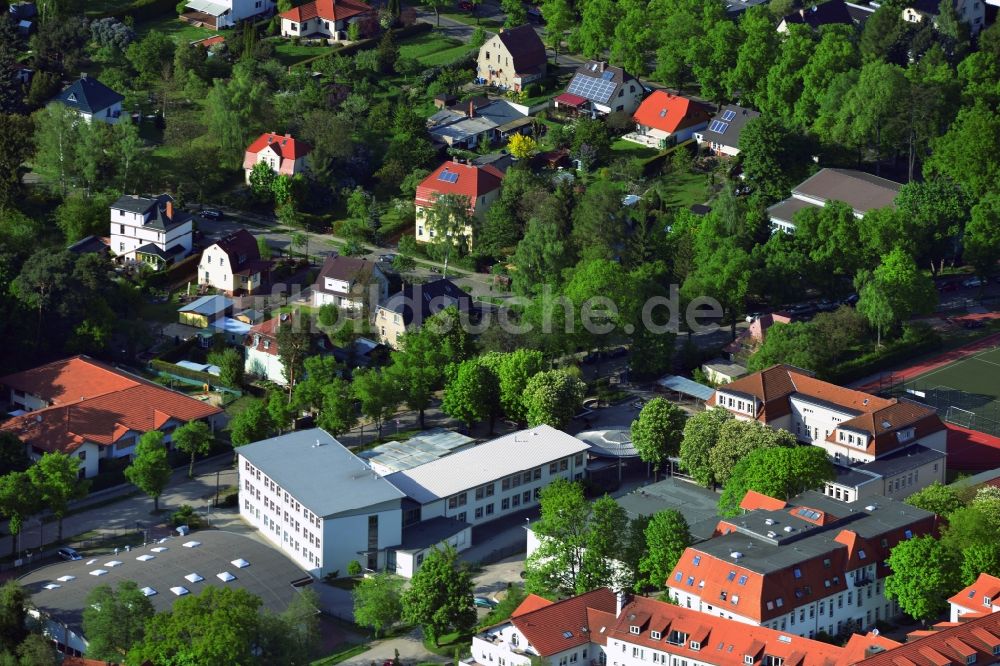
(483, 602)
(69, 554)
(212, 214)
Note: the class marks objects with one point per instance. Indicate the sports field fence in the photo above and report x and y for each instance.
(974, 411)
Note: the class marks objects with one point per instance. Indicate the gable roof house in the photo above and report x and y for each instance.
(970, 12)
(512, 58)
(480, 185)
(598, 89)
(205, 311)
(92, 411)
(150, 230)
(468, 124)
(664, 118)
(414, 304)
(323, 19)
(284, 154)
(233, 264)
(722, 135)
(980, 598)
(827, 13)
(218, 14)
(92, 100)
(349, 283)
(859, 190)
(879, 446)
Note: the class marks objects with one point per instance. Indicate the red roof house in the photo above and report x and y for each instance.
(980, 598)
(663, 116)
(284, 154)
(323, 19)
(480, 185)
(83, 407)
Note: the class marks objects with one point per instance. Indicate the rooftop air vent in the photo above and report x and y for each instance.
(789, 528)
(736, 555)
(870, 507)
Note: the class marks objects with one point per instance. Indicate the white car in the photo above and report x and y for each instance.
(972, 282)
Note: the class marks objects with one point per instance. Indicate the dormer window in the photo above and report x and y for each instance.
(986, 601)
(748, 659)
(695, 645)
(861, 555)
(634, 629)
(655, 635)
(971, 659)
(906, 434)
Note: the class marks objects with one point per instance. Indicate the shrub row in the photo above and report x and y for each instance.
(913, 343)
(181, 371)
(139, 10)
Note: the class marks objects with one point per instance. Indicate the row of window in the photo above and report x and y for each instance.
(744, 406)
(277, 491)
(513, 481)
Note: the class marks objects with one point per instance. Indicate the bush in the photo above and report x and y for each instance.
(354, 568)
(916, 340)
(186, 516)
(532, 90)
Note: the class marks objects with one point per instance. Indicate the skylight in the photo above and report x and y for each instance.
(112, 564)
(240, 563)
(65, 579)
(194, 578)
(93, 561)
(98, 572)
(718, 126)
(52, 586)
(179, 591)
(225, 576)
(147, 591)
(448, 176)
(160, 549)
(191, 544)
(728, 115)
(146, 558)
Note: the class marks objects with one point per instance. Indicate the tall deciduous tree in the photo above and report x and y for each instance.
(56, 142)
(896, 290)
(250, 425)
(439, 598)
(667, 535)
(231, 366)
(658, 432)
(115, 619)
(871, 116)
(295, 343)
(969, 152)
(377, 602)
(757, 52)
(982, 235)
(473, 394)
(378, 395)
(514, 370)
(14, 604)
(606, 540)
(780, 472)
(562, 530)
(194, 438)
(553, 397)
(17, 144)
(18, 500)
(924, 574)
(449, 221)
(337, 413)
(737, 440)
(57, 480)
(150, 469)
(701, 434)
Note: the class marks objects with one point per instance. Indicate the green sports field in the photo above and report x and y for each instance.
(966, 392)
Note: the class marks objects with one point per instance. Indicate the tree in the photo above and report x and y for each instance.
(56, 142)
(780, 472)
(281, 409)
(449, 222)
(555, 565)
(151, 56)
(771, 156)
(935, 212)
(439, 598)
(737, 440)
(600, 221)
(57, 480)
(980, 558)
(377, 602)
(231, 366)
(114, 620)
(233, 109)
(924, 574)
(982, 235)
(952, 154)
(378, 395)
(701, 434)
(871, 115)
(318, 371)
(522, 146)
(194, 438)
(417, 369)
(219, 626)
(515, 11)
(295, 343)
(667, 535)
(18, 500)
(514, 370)
(552, 398)
(150, 469)
(473, 394)
(436, 5)
(967, 527)
(337, 413)
(11, 95)
(12, 455)
(262, 179)
(896, 290)
(14, 604)
(17, 144)
(38, 650)
(250, 425)
(937, 498)
(795, 344)
(606, 539)
(559, 18)
(657, 433)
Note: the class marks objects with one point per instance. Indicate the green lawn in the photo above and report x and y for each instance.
(343, 655)
(98, 7)
(289, 54)
(169, 24)
(433, 49)
(623, 148)
(467, 18)
(686, 189)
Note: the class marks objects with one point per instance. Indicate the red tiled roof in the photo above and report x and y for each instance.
(329, 10)
(952, 646)
(970, 449)
(105, 419)
(670, 113)
(83, 661)
(264, 331)
(285, 146)
(532, 602)
(209, 41)
(755, 500)
(69, 380)
(559, 626)
(986, 586)
(569, 99)
(463, 179)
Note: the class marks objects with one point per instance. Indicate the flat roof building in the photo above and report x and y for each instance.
(424, 447)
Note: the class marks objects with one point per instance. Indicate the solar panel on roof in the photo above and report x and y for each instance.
(448, 176)
(728, 115)
(718, 126)
(607, 76)
(592, 88)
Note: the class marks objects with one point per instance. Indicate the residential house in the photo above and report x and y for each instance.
(285, 155)
(323, 19)
(980, 598)
(721, 371)
(804, 566)
(92, 411)
(494, 479)
(205, 311)
(512, 58)
(830, 12)
(880, 446)
(722, 136)
(480, 119)
(664, 119)
(24, 16)
(859, 190)
(598, 89)
(479, 185)
(414, 304)
(92, 100)
(218, 14)
(233, 265)
(600, 627)
(150, 230)
(970, 12)
(750, 338)
(349, 283)
(261, 345)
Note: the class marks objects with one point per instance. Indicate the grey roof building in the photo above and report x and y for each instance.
(859, 190)
(92, 99)
(723, 132)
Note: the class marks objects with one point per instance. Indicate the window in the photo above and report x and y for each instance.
(527, 495)
(517, 500)
(971, 659)
(489, 509)
(742, 580)
(505, 484)
(690, 581)
(731, 576)
(633, 629)
(748, 659)
(564, 464)
(479, 512)
(861, 554)
(908, 534)
(678, 576)
(505, 504)
(655, 635)
(797, 572)
(697, 560)
(695, 645)
(553, 468)
(537, 473)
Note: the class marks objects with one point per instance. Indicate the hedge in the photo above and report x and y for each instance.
(370, 43)
(181, 371)
(653, 164)
(139, 10)
(914, 342)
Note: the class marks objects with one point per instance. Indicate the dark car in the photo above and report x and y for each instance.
(483, 602)
(388, 258)
(69, 554)
(212, 214)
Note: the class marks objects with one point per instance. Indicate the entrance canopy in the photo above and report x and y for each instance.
(685, 386)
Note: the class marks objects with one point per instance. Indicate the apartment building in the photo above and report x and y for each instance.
(880, 446)
(150, 230)
(807, 566)
(494, 479)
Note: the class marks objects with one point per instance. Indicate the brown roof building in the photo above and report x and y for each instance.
(512, 58)
(859, 190)
(350, 284)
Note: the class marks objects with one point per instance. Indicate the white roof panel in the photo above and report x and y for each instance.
(208, 6)
(487, 462)
(191, 544)
(194, 578)
(65, 579)
(225, 577)
(146, 558)
(147, 591)
(240, 563)
(179, 591)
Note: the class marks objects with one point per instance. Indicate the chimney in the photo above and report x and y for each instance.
(472, 108)
(601, 65)
(621, 600)
(170, 209)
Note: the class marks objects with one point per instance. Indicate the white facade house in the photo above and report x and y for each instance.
(233, 264)
(262, 358)
(220, 14)
(350, 284)
(496, 478)
(980, 598)
(92, 100)
(722, 135)
(323, 19)
(150, 230)
(970, 12)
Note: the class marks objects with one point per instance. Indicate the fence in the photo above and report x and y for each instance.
(969, 410)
